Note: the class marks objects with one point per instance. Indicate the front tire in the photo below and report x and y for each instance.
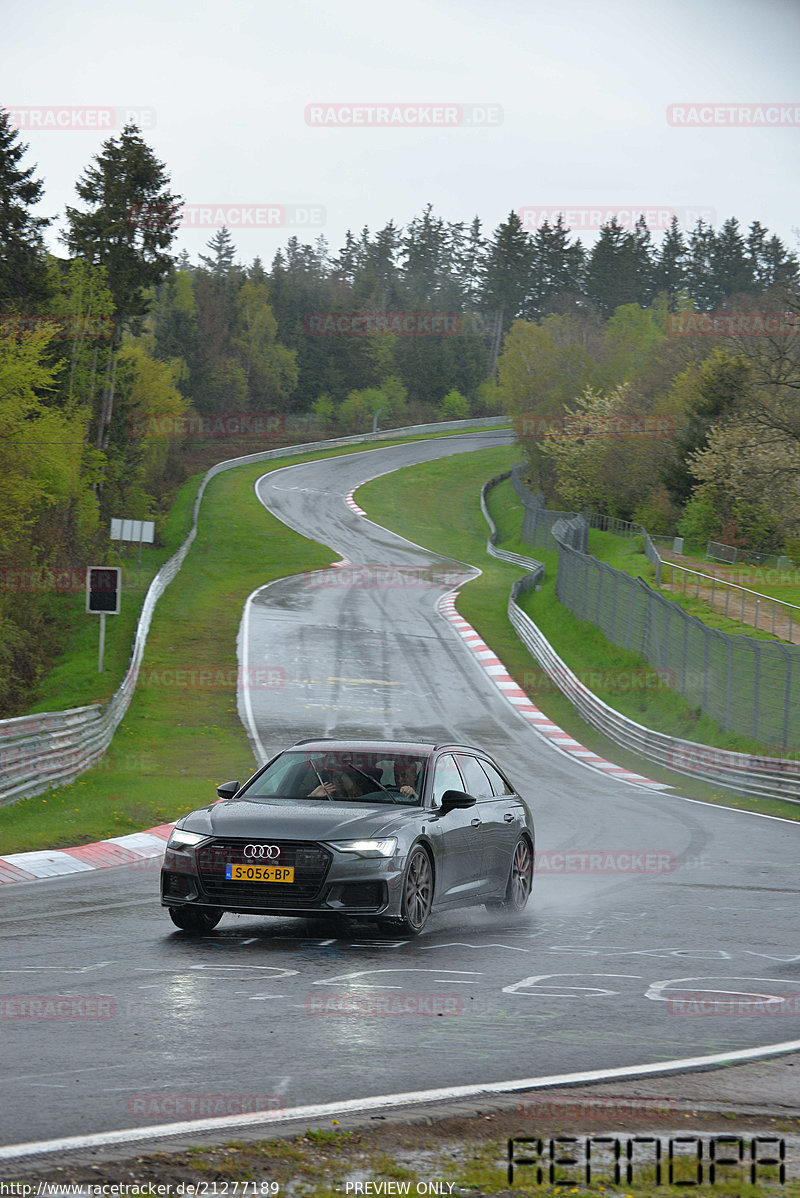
(417, 895)
(195, 919)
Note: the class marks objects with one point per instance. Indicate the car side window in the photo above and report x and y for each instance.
(499, 784)
(477, 783)
(445, 777)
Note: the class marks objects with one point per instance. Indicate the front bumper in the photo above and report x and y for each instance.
(325, 881)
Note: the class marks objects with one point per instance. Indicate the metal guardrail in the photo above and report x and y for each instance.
(53, 748)
(503, 555)
(716, 551)
(746, 773)
(756, 604)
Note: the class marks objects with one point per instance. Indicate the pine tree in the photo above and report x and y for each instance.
(732, 272)
(699, 271)
(23, 271)
(669, 269)
(219, 263)
(508, 267)
(613, 269)
(470, 264)
(557, 268)
(780, 267)
(643, 262)
(424, 252)
(128, 227)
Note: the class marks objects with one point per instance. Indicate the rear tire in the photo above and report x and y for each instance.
(520, 878)
(195, 919)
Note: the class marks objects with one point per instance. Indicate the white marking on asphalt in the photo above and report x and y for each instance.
(343, 978)
(58, 968)
(771, 957)
(561, 989)
(380, 1102)
(463, 944)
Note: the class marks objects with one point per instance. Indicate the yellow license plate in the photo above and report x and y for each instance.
(259, 873)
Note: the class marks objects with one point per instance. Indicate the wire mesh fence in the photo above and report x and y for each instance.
(746, 773)
(750, 687)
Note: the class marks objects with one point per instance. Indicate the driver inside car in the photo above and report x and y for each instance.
(406, 777)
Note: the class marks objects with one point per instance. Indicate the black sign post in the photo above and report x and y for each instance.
(103, 589)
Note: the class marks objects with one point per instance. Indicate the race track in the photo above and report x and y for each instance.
(587, 979)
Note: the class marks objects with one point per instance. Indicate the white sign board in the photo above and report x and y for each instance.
(140, 531)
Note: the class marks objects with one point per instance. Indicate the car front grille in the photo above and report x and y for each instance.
(310, 862)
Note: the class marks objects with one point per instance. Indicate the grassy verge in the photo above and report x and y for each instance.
(441, 512)
(181, 735)
(73, 680)
(456, 1155)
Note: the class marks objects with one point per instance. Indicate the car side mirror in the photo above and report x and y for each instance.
(227, 790)
(453, 800)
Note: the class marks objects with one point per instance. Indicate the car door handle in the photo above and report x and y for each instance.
(476, 823)
(508, 817)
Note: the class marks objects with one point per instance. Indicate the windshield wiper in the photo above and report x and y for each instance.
(372, 780)
(319, 777)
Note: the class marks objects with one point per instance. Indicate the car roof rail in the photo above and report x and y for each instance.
(309, 740)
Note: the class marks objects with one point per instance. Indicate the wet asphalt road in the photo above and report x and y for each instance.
(581, 981)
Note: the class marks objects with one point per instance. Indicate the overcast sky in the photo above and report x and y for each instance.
(574, 98)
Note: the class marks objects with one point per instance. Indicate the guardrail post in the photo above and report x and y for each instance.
(756, 686)
(729, 687)
(787, 693)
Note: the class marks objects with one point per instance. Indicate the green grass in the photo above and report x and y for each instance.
(180, 736)
(73, 680)
(441, 512)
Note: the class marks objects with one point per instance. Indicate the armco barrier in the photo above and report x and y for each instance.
(776, 777)
(41, 751)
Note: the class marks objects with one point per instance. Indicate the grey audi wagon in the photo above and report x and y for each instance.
(383, 830)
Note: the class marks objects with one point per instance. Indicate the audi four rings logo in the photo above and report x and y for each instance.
(262, 850)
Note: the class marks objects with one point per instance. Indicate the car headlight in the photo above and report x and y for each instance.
(385, 847)
(181, 839)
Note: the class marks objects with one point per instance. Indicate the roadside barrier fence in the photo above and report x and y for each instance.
(713, 670)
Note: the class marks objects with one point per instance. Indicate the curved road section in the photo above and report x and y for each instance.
(660, 930)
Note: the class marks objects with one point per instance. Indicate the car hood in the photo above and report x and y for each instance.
(305, 820)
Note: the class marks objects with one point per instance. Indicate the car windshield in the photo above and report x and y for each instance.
(343, 776)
